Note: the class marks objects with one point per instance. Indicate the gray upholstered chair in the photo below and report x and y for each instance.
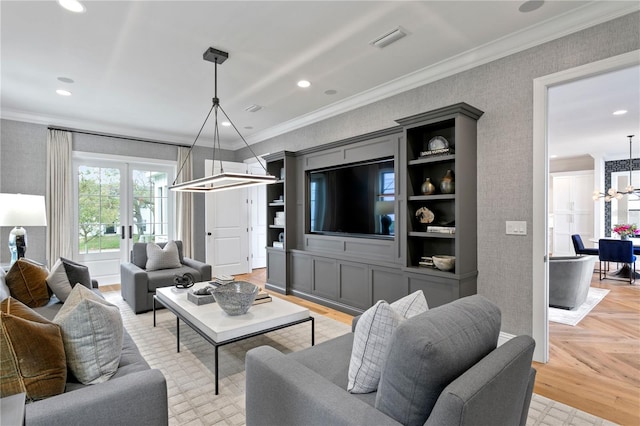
(569, 280)
(442, 368)
(138, 286)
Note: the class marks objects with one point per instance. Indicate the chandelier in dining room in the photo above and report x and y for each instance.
(613, 193)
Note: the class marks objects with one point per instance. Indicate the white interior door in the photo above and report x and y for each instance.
(227, 225)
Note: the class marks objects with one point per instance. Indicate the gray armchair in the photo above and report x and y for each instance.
(442, 368)
(569, 280)
(138, 286)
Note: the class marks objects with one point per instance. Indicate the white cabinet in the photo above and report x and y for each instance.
(572, 207)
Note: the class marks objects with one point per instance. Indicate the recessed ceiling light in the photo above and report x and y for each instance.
(65, 80)
(530, 6)
(330, 92)
(304, 83)
(72, 6)
(620, 112)
(225, 124)
(63, 92)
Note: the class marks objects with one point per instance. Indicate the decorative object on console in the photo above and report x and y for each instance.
(20, 210)
(236, 298)
(185, 280)
(444, 262)
(447, 184)
(220, 181)
(626, 230)
(202, 296)
(629, 190)
(428, 188)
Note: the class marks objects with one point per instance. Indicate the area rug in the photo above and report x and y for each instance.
(565, 316)
(190, 378)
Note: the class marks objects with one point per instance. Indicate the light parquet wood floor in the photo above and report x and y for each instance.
(594, 366)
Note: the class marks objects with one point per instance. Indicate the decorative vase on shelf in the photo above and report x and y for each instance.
(448, 184)
(428, 188)
(624, 237)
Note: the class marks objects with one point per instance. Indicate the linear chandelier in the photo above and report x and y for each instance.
(219, 181)
(613, 193)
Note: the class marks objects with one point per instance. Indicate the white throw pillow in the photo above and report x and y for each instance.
(162, 258)
(371, 338)
(58, 282)
(411, 305)
(92, 333)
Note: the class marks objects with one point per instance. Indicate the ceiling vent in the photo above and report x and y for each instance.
(253, 108)
(388, 37)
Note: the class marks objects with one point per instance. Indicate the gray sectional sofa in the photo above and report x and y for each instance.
(135, 395)
(442, 368)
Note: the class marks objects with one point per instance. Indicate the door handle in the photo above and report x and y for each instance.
(209, 234)
(130, 231)
(122, 232)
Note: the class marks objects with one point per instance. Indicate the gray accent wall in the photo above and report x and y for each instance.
(503, 89)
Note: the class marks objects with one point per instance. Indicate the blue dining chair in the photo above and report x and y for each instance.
(619, 251)
(579, 247)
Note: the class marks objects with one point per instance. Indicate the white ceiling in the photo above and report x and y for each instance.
(138, 69)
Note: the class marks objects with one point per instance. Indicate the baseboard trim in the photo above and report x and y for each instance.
(504, 338)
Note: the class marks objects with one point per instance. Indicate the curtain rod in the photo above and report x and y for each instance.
(105, 135)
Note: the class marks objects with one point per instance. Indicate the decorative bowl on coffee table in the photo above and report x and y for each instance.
(236, 297)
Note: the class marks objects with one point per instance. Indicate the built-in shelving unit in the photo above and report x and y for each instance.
(279, 201)
(454, 213)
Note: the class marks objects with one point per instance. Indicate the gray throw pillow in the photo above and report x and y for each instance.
(162, 258)
(429, 351)
(77, 273)
(92, 333)
(58, 282)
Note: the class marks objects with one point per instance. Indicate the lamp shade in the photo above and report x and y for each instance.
(22, 210)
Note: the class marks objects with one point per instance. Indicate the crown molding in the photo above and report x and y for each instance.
(589, 15)
(570, 22)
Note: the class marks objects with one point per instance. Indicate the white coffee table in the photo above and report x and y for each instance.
(220, 329)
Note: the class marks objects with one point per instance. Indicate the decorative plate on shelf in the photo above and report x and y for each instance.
(438, 142)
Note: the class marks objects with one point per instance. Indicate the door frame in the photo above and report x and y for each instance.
(130, 163)
(540, 270)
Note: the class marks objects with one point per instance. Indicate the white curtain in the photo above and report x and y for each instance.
(184, 203)
(59, 196)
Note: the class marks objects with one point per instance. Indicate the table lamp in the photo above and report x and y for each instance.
(20, 210)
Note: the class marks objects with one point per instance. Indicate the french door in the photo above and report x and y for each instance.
(117, 204)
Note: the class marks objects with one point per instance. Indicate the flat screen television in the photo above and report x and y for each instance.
(355, 199)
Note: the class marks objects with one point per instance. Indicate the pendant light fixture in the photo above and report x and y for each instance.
(219, 181)
(613, 193)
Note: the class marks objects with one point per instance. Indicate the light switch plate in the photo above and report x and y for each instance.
(516, 227)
